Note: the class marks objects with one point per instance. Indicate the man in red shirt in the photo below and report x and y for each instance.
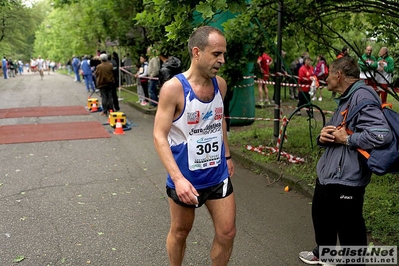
(304, 81)
(264, 62)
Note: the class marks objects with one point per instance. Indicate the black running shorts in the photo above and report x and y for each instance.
(219, 191)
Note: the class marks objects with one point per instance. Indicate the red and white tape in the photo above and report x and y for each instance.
(260, 149)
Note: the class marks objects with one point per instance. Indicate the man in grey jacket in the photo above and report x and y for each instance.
(343, 175)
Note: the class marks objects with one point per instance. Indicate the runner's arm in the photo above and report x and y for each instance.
(223, 89)
(171, 97)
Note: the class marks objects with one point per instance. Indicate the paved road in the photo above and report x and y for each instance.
(102, 201)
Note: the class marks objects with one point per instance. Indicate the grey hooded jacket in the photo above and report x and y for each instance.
(341, 164)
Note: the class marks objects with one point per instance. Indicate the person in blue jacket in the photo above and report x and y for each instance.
(4, 67)
(76, 67)
(87, 73)
(337, 208)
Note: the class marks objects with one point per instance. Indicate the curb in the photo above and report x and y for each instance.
(142, 109)
(273, 172)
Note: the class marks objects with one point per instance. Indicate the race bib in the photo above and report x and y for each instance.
(204, 151)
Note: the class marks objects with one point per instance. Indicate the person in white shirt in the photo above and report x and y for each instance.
(40, 65)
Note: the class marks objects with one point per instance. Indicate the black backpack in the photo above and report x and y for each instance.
(382, 160)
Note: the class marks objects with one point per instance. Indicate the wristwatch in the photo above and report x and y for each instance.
(347, 141)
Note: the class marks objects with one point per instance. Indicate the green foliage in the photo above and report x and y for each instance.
(381, 208)
(96, 24)
(17, 26)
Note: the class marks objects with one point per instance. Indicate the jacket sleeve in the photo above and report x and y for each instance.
(390, 65)
(145, 72)
(301, 76)
(371, 129)
(362, 64)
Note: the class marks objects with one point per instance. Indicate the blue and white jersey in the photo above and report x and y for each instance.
(196, 139)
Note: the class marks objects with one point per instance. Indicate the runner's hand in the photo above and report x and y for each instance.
(230, 167)
(186, 192)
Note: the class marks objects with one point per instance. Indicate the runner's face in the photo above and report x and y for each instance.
(212, 58)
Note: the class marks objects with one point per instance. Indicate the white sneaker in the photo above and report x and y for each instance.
(309, 258)
(314, 98)
(320, 99)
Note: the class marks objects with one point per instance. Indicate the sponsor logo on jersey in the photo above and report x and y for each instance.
(193, 118)
(208, 116)
(209, 129)
(206, 140)
(218, 113)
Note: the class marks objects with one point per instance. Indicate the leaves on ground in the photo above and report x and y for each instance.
(18, 259)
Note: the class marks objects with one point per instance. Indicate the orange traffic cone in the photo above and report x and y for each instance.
(109, 116)
(118, 128)
(94, 107)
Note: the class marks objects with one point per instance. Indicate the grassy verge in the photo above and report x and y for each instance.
(381, 207)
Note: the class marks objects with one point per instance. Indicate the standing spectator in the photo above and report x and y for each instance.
(20, 66)
(76, 67)
(127, 66)
(94, 62)
(48, 65)
(105, 81)
(69, 66)
(321, 74)
(87, 74)
(368, 64)
(153, 73)
(294, 72)
(140, 91)
(16, 67)
(11, 68)
(52, 66)
(142, 75)
(342, 173)
(301, 61)
(344, 52)
(190, 111)
(304, 81)
(115, 70)
(264, 61)
(384, 73)
(4, 67)
(170, 67)
(116, 63)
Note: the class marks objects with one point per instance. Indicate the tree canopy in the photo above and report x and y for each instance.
(66, 27)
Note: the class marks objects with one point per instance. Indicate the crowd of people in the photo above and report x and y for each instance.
(149, 76)
(11, 68)
(311, 77)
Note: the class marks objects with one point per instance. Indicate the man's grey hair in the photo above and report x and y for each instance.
(103, 57)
